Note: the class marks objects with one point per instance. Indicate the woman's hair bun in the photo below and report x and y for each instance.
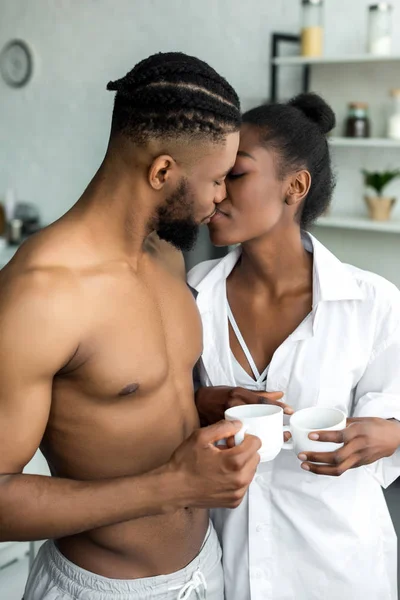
(316, 109)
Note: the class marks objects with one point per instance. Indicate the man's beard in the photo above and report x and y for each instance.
(175, 219)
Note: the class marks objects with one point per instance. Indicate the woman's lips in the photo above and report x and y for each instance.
(208, 219)
(218, 215)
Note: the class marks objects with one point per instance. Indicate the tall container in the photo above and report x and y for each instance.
(312, 31)
(380, 29)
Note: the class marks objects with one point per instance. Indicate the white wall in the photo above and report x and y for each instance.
(53, 132)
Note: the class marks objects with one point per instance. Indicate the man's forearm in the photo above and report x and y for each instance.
(397, 423)
(33, 507)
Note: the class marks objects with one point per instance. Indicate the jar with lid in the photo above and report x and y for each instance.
(312, 31)
(357, 123)
(380, 29)
(394, 119)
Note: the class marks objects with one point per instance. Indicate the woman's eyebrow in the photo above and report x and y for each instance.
(243, 153)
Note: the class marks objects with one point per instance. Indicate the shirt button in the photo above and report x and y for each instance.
(268, 573)
(258, 478)
(257, 573)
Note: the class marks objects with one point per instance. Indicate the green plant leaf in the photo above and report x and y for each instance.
(378, 180)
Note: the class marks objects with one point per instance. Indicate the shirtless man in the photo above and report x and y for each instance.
(99, 336)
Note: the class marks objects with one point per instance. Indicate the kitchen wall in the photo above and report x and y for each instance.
(53, 132)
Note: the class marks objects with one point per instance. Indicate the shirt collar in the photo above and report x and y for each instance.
(221, 271)
(332, 279)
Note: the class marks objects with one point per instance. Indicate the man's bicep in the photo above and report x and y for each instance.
(35, 342)
(24, 412)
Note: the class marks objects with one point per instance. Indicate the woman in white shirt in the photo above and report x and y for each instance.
(282, 314)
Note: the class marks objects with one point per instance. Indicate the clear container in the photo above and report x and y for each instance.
(380, 29)
(394, 119)
(312, 32)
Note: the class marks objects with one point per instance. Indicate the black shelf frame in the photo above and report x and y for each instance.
(276, 40)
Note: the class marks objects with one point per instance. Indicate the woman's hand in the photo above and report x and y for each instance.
(212, 402)
(365, 440)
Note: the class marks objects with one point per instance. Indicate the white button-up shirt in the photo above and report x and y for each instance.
(297, 535)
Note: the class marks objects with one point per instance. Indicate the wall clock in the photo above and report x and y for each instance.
(16, 63)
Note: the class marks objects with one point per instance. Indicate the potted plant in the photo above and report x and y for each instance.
(379, 206)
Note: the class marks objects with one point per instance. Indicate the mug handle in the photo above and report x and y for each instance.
(289, 444)
(239, 437)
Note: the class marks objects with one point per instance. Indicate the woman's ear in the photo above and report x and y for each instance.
(161, 170)
(299, 187)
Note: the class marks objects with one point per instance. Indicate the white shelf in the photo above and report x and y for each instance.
(360, 223)
(332, 60)
(342, 142)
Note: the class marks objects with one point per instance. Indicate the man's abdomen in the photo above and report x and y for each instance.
(141, 548)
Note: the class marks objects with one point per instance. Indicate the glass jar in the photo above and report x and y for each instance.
(312, 31)
(380, 29)
(357, 122)
(394, 119)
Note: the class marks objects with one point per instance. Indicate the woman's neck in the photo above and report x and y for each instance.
(276, 264)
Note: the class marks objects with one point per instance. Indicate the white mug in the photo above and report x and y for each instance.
(262, 420)
(308, 420)
(266, 422)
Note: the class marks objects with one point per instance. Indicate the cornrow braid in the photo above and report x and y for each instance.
(173, 74)
(171, 64)
(171, 92)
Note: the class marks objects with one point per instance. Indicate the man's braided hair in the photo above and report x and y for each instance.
(172, 94)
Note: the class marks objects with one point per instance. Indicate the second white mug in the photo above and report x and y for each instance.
(308, 420)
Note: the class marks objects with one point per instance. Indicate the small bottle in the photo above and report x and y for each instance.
(9, 204)
(394, 119)
(357, 122)
(15, 232)
(380, 29)
(312, 31)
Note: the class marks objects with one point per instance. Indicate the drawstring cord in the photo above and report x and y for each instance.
(194, 584)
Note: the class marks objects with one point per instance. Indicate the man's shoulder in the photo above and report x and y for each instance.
(36, 280)
(42, 314)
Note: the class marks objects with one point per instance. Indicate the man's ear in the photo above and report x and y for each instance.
(161, 171)
(299, 187)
